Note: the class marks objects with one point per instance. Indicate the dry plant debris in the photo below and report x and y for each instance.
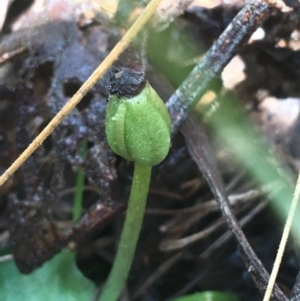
(47, 52)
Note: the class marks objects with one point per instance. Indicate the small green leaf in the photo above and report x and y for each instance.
(208, 296)
(57, 280)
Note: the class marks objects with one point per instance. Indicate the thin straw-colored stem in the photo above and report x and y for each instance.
(283, 241)
(91, 81)
(130, 233)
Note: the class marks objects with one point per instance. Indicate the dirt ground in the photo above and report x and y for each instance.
(49, 48)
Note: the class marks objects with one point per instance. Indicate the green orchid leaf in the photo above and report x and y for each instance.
(208, 296)
(57, 280)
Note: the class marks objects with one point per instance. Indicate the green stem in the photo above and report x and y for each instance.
(79, 188)
(78, 196)
(130, 233)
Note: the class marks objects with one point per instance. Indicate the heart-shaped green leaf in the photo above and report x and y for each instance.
(208, 296)
(57, 280)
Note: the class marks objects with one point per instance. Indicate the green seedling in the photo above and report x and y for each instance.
(138, 128)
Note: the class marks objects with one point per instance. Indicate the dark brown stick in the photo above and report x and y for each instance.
(187, 95)
(238, 32)
(201, 153)
(295, 294)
